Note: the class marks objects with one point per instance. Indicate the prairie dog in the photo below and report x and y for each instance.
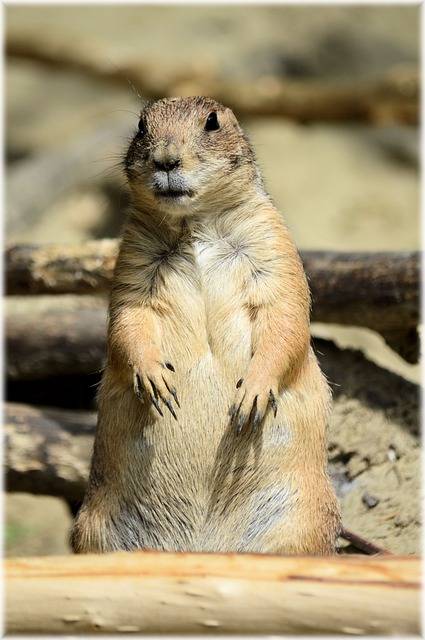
(213, 410)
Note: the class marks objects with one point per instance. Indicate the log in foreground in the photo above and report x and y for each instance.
(375, 290)
(148, 592)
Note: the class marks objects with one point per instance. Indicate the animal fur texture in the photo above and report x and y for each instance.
(213, 410)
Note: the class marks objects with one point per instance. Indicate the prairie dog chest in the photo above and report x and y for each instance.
(227, 271)
(230, 285)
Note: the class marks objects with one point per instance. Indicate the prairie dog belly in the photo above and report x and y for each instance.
(206, 334)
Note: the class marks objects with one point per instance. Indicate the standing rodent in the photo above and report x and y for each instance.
(213, 410)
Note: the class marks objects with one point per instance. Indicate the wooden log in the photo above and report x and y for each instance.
(84, 268)
(47, 451)
(63, 342)
(375, 290)
(392, 98)
(171, 593)
(379, 291)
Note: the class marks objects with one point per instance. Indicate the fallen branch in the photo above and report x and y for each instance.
(47, 451)
(394, 97)
(375, 290)
(361, 544)
(169, 593)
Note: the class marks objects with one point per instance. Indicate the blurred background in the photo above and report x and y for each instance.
(328, 95)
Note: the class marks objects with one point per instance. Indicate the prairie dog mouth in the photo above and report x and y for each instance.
(172, 194)
(171, 186)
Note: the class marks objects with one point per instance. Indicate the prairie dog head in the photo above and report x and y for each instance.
(189, 155)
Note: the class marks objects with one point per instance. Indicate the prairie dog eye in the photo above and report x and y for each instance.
(141, 126)
(212, 123)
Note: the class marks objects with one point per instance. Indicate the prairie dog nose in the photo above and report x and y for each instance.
(166, 155)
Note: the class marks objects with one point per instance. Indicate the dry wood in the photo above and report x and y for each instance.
(395, 97)
(84, 268)
(379, 291)
(47, 451)
(375, 290)
(168, 593)
(61, 342)
(361, 544)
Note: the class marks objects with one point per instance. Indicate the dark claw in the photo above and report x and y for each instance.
(240, 423)
(156, 405)
(239, 382)
(273, 402)
(139, 387)
(234, 412)
(255, 421)
(170, 406)
(174, 394)
(169, 366)
(155, 392)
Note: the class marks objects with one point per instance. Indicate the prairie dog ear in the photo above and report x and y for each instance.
(230, 116)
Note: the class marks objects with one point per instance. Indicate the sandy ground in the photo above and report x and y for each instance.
(341, 187)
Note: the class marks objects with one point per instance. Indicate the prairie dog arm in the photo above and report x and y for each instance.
(134, 338)
(280, 309)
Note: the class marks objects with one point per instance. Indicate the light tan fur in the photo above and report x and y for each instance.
(209, 321)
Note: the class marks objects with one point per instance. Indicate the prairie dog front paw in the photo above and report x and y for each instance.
(153, 377)
(252, 401)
